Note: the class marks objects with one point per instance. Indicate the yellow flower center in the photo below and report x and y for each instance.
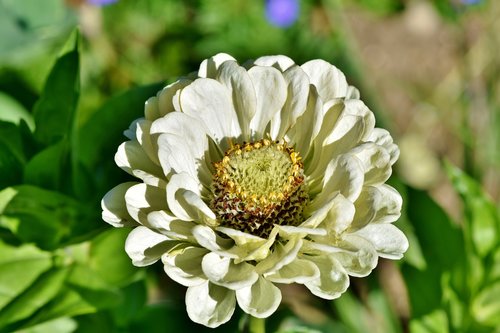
(257, 185)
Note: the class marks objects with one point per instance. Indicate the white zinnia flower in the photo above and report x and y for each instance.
(254, 176)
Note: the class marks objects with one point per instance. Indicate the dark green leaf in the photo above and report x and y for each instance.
(55, 110)
(49, 168)
(443, 248)
(44, 217)
(100, 136)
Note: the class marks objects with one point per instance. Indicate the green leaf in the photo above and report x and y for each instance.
(60, 325)
(49, 168)
(442, 244)
(54, 112)
(20, 267)
(100, 136)
(486, 305)
(94, 290)
(44, 217)
(12, 111)
(434, 322)
(36, 296)
(134, 300)
(109, 260)
(482, 216)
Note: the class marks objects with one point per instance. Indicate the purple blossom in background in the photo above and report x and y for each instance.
(282, 13)
(101, 2)
(470, 2)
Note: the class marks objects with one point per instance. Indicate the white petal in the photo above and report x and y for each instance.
(151, 110)
(280, 62)
(330, 82)
(210, 66)
(352, 93)
(183, 198)
(340, 216)
(259, 300)
(114, 208)
(145, 246)
(209, 304)
(183, 265)
(333, 279)
(238, 82)
(206, 237)
(383, 138)
(182, 144)
(142, 199)
(356, 255)
(271, 90)
(389, 241)
(282, 255)
(131, 158)
(308, 125)
(210, 102)
(251, 247)
(224, 272)
(168, 224)
(381, 204)
(345, 176)
(166, 97)
(144, 137)
(296, 101)
(376, 162)
(298, 271)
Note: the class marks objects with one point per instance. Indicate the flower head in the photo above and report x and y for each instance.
(254, 176)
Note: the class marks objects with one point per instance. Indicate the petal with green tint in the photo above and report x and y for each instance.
(333, 279)
(298, 271)
(209, 304)
(183, 265)
(357, 255)
(388, 240)
(224, 272)
(260, 299)
(145, 246)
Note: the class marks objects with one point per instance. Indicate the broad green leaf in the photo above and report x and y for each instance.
(486, 305)
(134, 301)
(20, 267)
(11, 167)
(442, 244)
(434, 322)
(44, 217)
(94, 290)
(350, 311)
(60, 325)
(100, 136)
(55, 110)
(33, 298)
(109, 260)
(67, 303)
(483, 218)
(49, 168)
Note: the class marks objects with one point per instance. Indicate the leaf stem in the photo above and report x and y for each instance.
(257, 325)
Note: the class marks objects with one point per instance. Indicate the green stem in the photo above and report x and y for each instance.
(257, 325)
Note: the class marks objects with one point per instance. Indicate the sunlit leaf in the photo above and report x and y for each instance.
(486, 305)
(60, 325)
(36, 296)
(434, 322)
(20, 267)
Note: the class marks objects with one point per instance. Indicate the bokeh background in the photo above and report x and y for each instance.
(429, 69)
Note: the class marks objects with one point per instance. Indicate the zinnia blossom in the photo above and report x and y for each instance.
(254, 176)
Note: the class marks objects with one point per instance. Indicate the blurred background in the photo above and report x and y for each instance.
(429, 69)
